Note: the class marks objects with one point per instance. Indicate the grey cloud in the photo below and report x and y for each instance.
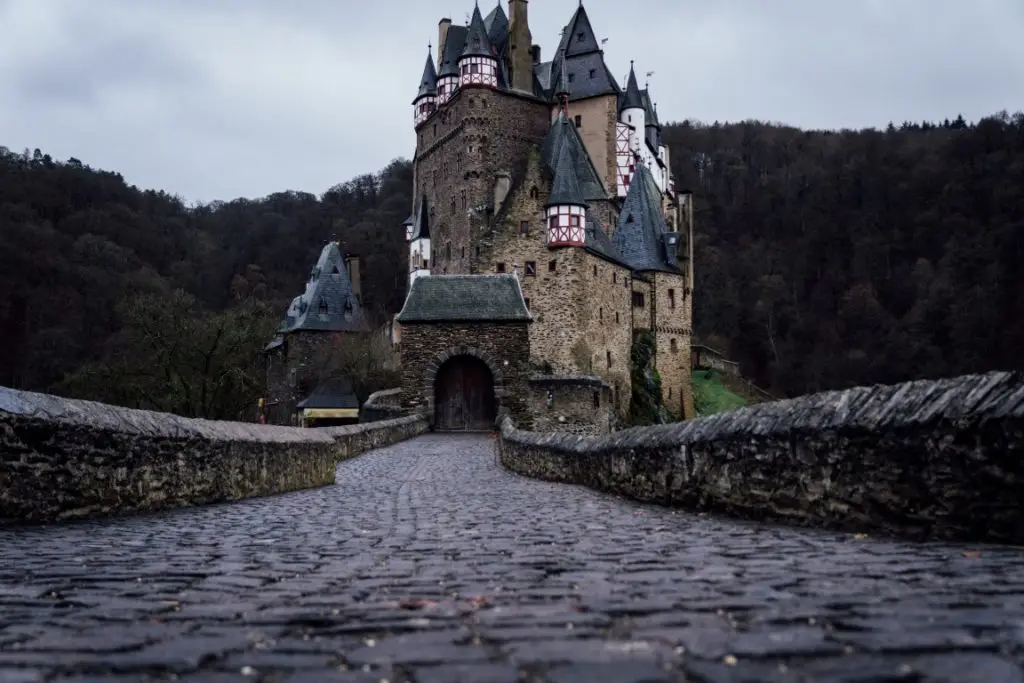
(222, 98)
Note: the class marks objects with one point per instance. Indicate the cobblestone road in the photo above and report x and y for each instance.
(429, 563)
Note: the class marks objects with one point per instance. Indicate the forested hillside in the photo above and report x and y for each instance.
(823, 260)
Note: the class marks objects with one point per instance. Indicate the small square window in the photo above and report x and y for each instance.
(531, 267)
(526, 300)
(524, 227)
(552, 265)
(578, 121)
(593, 73)
(501, 268)
(571, 77)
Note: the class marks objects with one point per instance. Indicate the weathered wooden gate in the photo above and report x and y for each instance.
(464, 396)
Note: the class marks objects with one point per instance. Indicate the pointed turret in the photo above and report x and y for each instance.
(633, 113)
(632, 98)
(566, 207)
(478, 65)
(426, 97)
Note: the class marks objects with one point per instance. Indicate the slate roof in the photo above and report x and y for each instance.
(562, 131)
(641, 233)
(428, 81)
(598, 242)
(577, 28)
(565, 189)
(330, 394)
(496, 23)
(421, 222)
(469, 298)
(453, 45)
(631, 99)
(328, 303)
(478, 43)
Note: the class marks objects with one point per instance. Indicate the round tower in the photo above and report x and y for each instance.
(566, 209)
(425, 103)
(632, 111)
(478, 65)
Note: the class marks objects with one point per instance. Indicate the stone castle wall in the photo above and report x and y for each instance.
(672, 336)
(926, 459)
(578, 405)
(504, 348)
(64, 459)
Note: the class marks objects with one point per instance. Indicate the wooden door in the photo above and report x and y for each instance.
(464, 396)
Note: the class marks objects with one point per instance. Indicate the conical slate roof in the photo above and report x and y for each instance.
(562, 131)
(328, 303)
(428, 82)
(453, 45)
(632, 98)
(477, 44)
(565, 189)
(421, 226)
(640, 235)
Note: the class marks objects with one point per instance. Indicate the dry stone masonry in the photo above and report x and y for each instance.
(64, 459)
(926, 459)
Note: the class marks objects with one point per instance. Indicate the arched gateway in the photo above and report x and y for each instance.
(465, 350)
(464, 395)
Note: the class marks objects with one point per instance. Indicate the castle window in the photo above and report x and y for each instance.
(531, 267)
(500, 268)
(552, 265)
(600, 314)
(671, 298)
(670, 392)
(615, 277)
(593, 72)
(580, 37)
(595, 271)
(426, 263)
(526, 300)
(571, 77)
(629, 218)
(453, 203)
(448, 251)
(474, 68)
(608, 357)
(463, 255)
(478, 252)
(597, 399)
(524, 227)
(638, 299)
(616, 316)
(578, 121)
(533, 192)
(672, 345)
(322, 306)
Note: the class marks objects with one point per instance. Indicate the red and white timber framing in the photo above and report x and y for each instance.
(478, 71)
(567, 226)
(446, 88)
(423, 109)
(624, 160)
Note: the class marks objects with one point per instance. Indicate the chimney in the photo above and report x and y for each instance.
(502, 184)
(442, 35)
(535, 50)
(520, 41)
(352, 266)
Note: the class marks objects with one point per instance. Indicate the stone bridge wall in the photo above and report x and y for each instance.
(927, 459)
(64, 459)
(385, 404)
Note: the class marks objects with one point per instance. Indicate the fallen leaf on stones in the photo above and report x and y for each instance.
(416, 604)
(972, 553)
(860, 537)
(730, 660)
(479, 601)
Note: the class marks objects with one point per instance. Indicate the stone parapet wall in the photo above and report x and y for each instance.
(64, 459)
(572, 404)
(927, 459)
(385, 404)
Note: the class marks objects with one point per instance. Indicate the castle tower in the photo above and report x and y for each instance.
(478, 65)
(426, 98)
(566, 207)
(632, 112)
(448, 52)
(520, 47)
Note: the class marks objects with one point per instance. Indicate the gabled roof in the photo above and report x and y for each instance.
(330, 393)
(478, 43)
(587, 177)
(453, 45)
(631, 99)
(328, 303)
(421, 224)
(640, 234)
(428, 81)
(496, 23)
(650, 113)
(565, 189)
(464, 298)
(578, 37)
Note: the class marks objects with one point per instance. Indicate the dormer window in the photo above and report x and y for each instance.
(571, 77)
(580, 37)
(322, 306)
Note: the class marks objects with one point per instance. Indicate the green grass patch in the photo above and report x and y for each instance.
(710, 395)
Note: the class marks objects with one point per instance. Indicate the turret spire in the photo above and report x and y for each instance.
(632, 99)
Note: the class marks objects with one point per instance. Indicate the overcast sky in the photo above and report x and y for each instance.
(215, 99)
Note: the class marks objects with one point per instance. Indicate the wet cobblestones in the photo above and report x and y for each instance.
(428, 563)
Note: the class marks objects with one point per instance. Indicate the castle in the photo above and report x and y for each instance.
(553, 174)
(546, 234)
